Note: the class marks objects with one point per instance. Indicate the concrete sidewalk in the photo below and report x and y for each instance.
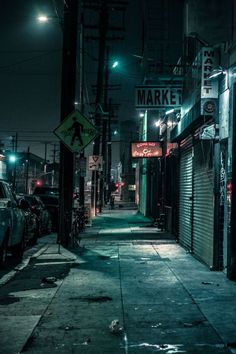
(165, 300)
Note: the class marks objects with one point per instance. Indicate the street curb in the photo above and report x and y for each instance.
(7, 277)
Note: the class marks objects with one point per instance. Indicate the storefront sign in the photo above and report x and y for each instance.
(144, 149)
(153, 97)
(209, 87)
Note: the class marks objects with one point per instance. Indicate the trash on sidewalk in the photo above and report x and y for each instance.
(68, 328)
(49, 280)
(87, 341)
(115, 327)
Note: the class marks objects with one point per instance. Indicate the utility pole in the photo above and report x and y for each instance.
(15, 152)
(68, 85)
(103, 28)
(27, 170)
(105, 130)
(54, 165)
(45, 157)
(109, 153)
(81, 178)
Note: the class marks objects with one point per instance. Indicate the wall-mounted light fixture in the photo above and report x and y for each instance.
(169, 111)
(217, 72)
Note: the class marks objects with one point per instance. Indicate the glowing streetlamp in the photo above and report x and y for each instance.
(115, 64)
(12, 158)
(42, 18)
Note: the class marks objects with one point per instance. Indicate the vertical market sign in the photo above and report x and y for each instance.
(210, 59)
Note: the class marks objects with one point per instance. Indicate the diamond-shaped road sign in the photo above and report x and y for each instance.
(76, 131)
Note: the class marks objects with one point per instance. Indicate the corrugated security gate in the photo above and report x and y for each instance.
(203, 202)
(185, 195)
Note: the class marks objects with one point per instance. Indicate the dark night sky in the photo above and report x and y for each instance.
(29, 72)
(30, 67)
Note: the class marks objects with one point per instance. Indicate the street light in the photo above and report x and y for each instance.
(12, 158)
(68, 88)
(115, 64)
(42, 18)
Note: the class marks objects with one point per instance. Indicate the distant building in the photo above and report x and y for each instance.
(27, 171)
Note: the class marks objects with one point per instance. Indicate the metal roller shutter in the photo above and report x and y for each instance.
(185, 197)
(203, 207)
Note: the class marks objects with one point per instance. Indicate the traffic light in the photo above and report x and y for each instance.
(38, 183)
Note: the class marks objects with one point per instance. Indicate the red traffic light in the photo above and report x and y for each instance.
(38, 183)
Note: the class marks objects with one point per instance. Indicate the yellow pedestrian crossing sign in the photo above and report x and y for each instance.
(76, 131)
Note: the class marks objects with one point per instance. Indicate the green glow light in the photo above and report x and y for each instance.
(115, 64)
(12, 158)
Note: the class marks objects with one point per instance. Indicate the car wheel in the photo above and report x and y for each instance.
(3, 252)
(35, 237)
(40, 229)
(49, 226)
(18, 250)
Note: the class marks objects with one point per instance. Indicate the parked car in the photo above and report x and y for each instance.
(46, 190)
(50, 198)
(51, 203)
(12, 224)
(38, 208)
(32, 222)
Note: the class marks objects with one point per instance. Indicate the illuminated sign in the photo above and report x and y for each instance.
(157, 96)
(146, 149)
(209, 88)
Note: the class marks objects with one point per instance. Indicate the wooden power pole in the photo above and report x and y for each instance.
(68, 88)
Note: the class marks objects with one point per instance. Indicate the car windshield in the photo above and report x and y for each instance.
(48, 199)
(31, 200)
(46, 190)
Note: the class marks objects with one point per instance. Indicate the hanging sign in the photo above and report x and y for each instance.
(146, 149)
(153, 97)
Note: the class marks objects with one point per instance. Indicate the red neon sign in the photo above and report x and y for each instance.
(146, 149)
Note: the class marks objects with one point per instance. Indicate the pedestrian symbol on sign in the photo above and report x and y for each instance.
(77, 129)
(76, 132)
